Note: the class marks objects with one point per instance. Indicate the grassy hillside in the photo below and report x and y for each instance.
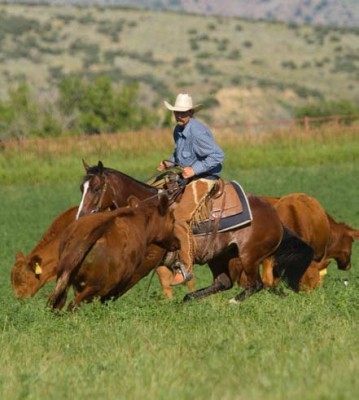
(342, 13)
(244, 70)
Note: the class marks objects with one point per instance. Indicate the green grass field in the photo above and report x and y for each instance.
(302, 346)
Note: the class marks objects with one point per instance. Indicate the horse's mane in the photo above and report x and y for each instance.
(97, 170)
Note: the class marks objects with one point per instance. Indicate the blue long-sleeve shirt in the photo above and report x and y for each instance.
(195, 147)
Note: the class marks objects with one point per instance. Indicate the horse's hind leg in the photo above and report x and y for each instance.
(253, 281)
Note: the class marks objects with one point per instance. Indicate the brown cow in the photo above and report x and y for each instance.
(29, 274)
(305, 216)
(341, 243)
(102, 255)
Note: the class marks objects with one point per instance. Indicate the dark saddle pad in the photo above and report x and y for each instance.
(229, 211)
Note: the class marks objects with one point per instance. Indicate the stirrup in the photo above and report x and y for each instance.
(187, 276)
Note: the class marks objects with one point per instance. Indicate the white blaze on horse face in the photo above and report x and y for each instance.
(86, 188)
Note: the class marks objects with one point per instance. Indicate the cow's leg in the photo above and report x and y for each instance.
(86, 295)
(311, 277)
(267, 274)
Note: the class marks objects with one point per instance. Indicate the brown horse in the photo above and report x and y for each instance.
(329, 239)
(103, 255)
(29, 274)
(266, 236)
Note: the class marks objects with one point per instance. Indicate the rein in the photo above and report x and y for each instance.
(172, 194)
(174, 188)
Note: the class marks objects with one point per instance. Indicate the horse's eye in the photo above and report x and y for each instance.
(97, 190)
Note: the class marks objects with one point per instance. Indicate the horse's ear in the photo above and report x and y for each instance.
(133, 202)
(86, 166)
(163, 203)
(100, 167)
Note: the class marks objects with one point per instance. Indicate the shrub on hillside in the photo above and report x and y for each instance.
(21, 116)
(79, 106)
(96, 107)
(329, 108)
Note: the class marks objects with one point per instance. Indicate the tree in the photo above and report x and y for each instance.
(97, 107)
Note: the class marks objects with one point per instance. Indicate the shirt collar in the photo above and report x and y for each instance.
(184, 131)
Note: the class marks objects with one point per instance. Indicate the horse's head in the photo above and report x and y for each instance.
(106, 188)
(26, 275)
(97, 193)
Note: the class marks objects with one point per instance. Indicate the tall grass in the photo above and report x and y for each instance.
(138, 153)
(302, 346)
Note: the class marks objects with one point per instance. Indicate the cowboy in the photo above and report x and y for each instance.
(201, 160)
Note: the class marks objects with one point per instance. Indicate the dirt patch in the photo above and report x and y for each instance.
(241, 105)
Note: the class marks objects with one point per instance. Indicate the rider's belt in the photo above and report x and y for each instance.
(204, 176)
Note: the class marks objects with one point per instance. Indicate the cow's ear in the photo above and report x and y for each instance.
(35, 264)
(19, 256)
(133, 202)
(354, 233)
(36, 259)
(163, 203)
(86, 166)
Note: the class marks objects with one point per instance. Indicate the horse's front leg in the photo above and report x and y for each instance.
(258, 286)
(221, 282)
(222, 279)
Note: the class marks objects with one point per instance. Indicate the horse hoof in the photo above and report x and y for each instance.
(188, 297)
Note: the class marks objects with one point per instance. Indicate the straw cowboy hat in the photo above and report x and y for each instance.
(183, 103)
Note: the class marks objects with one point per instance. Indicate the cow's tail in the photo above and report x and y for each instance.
(292, 258)
(58, 297)
(72, 254)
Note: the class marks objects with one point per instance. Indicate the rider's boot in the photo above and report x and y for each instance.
(181, 274)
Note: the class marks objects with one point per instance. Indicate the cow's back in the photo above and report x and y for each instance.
(305, 216)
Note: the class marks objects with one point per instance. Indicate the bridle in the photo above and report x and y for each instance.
(173, 186)
(102, 196)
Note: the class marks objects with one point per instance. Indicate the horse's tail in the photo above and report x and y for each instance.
(292, 258)
(73, 253)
